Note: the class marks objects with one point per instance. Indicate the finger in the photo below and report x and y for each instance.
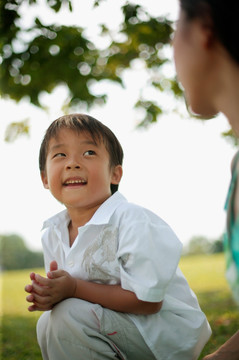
(37, 307)
(40, 290)
(32, 308)
(42, 280)
(30, 298)
(28, 288)
(55, 274)
(43, 301)
(43, 304)
(53, 265)
(32, 276)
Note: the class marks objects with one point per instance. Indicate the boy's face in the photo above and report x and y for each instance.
(77, 171)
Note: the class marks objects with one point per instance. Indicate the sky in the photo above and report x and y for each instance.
(179, 167)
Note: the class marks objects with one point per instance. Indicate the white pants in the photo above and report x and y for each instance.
(76, 329)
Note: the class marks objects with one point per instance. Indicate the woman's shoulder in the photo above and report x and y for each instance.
(232, 200)
(235, 162)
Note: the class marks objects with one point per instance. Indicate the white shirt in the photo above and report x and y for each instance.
(126, 244)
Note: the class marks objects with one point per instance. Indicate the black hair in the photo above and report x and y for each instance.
(87, 124)
(224, 16)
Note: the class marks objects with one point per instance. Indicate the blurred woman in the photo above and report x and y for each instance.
(206, 53)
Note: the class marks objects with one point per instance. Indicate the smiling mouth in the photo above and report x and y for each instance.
(75, 182)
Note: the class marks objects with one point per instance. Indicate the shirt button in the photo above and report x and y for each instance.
(71, 263)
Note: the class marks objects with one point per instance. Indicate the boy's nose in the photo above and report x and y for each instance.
(73, 167)
(73, 164)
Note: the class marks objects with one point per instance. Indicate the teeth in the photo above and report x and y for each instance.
(75, 182)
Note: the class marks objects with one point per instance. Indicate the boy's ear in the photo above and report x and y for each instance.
(117, 173)
(44, 180)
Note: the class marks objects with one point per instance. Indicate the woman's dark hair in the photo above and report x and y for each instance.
(224, 16)
(82, 123)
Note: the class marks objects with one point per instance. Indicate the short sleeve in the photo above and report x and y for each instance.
(149, 253)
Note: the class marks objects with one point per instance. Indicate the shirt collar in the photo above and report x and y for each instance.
(57, 220)
(100, 217)
(106, 210)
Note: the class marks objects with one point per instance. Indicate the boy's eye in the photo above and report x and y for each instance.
(89, 152)
(59, 155)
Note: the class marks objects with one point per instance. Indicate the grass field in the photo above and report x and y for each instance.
(205, 275)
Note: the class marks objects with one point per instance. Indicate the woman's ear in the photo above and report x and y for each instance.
(207, 29)
(44, 180)
(117, 173)
(208, 38)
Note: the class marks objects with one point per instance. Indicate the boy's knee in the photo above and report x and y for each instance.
(71, 312)
(41, 328)
(71, 319)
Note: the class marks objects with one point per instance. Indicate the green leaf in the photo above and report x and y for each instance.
(16, 129)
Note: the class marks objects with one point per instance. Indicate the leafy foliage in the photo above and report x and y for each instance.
(15, 255)
(41, 57)
(202, 245)
(230, 135)
(37, 58)
(16, 129)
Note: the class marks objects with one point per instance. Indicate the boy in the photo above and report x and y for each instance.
(113, 287)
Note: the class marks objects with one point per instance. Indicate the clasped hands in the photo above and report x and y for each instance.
(45, 292)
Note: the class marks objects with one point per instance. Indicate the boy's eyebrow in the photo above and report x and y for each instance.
(85, 142)
(89, 142)
(55, 147)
